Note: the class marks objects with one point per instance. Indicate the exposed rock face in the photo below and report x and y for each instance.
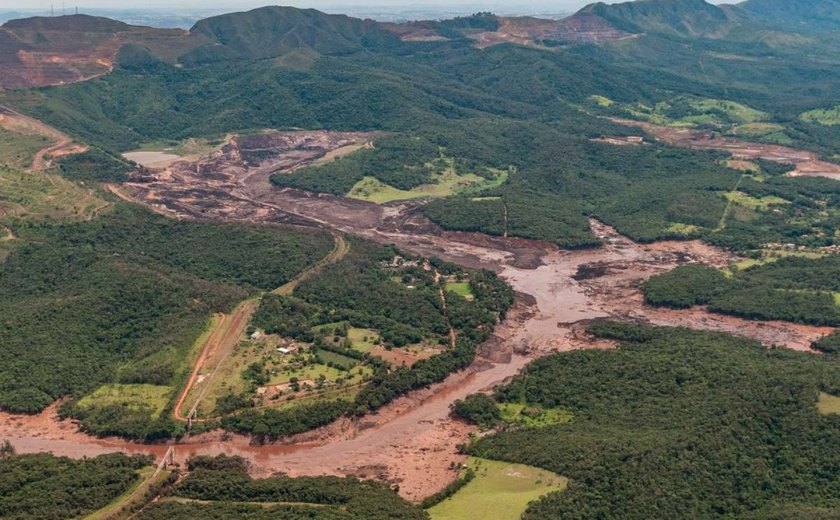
(35, 52)
(583, 27)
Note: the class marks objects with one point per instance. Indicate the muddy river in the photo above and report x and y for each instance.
(412, 442)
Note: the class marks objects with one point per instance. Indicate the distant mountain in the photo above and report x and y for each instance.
(74, 23)
(274, 31)
(675, 17)
(820, 14)
(64, 49)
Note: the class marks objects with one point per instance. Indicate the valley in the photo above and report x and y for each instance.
(290, 264)
(412, 441)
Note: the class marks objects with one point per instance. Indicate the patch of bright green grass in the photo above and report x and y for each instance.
(329, 328)
(679, 228)
(734, 110)
(823, 116)
(362, 340)
(461, 289)
(446, 182)
(187, 147)
(828, 404)
(337, 359)
(701, 111)
(753, 203)
(771, 256)
(533, 416)
(313, 371)
(601, 101)
(756, 129)
(500, 490)
(17, 150)
(134, 397)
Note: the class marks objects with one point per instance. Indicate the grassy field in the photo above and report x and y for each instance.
(823, 116)
(134, 397)
(683, 229)
(282, 369)
(756, 129)
(185, 148)
(771, 256)
(42, 196)
(753, 203)
(828, 404)
(17, 150)
(362, 340)
(446, 182)
(533, 416)
(500, 491)
(685, 111)
(461, 289)
(601, 101)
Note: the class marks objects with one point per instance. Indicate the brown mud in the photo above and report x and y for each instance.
(412, 441)
(807, 163)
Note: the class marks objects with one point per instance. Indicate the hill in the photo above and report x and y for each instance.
(673, 17)
(275, 30)
(815, 14)
(58, 50)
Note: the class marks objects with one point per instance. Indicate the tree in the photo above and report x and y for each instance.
(7, 450)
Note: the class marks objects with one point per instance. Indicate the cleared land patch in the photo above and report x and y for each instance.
(17, 150)
(462, 289)
(533, 416)
(678, 228)
(828, 404)
(769, 256)
(500, 490)
(445, 183)
(686, 111)
(823, 116)
(135, 397)
(43, 196)
(363, 340)
(752, 202)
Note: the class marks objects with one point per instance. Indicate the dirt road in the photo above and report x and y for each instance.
(412, 441)
(339, 251)
(62, 143)
(226, 333)
(220, 343)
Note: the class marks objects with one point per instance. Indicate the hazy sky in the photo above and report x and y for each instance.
(237, 5)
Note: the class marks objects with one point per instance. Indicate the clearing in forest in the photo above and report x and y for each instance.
(461, 289)
(131, 396)
(828, 404)
(37, 195)
(499, 490)
(446, 182)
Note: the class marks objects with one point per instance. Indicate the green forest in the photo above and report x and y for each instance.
(219, 487)
(679, 424)
(792, 288)
(396, 294)
(122, 298)
(34, 487)
(506, 107)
